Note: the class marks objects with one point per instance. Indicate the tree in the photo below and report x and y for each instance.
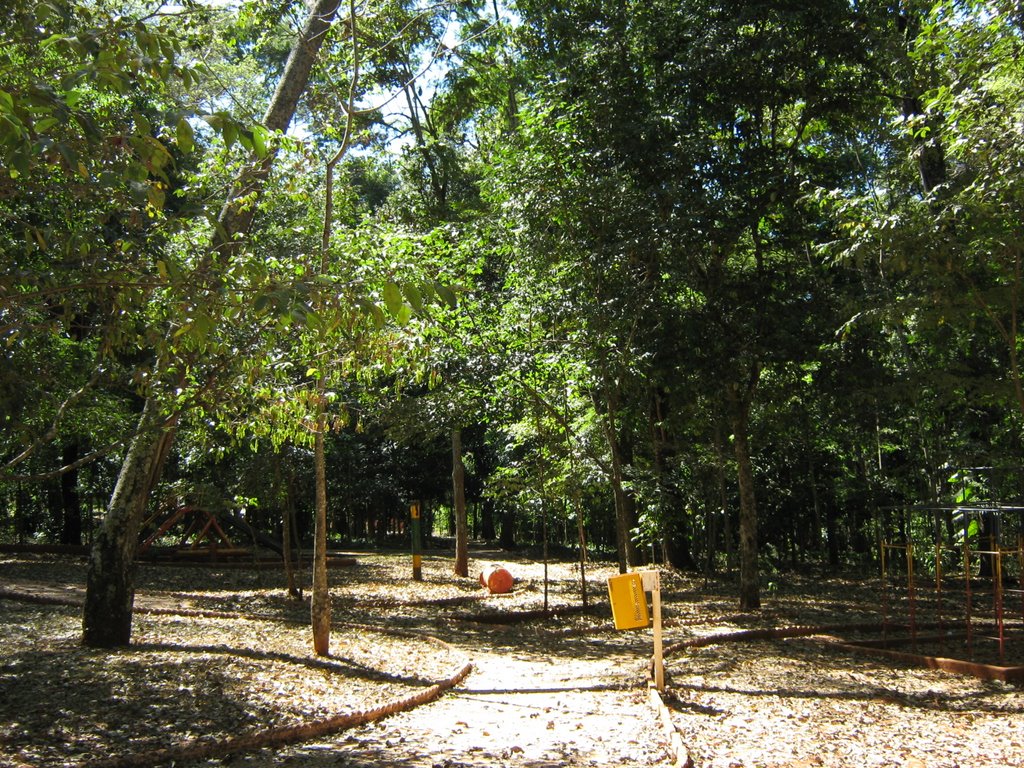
(668, 145)
(87, 165)
(934, 229)
(109, 594)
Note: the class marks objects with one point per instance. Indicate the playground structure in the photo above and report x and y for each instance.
(200, 532)
(188, 534)
(950, 587)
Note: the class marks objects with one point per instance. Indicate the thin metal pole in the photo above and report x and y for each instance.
(1020, 571)
(910, 594)
(885, 593)
(938, 592)
(998, 553)
(967, 583)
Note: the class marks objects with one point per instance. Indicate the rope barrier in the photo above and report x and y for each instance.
(201, 749)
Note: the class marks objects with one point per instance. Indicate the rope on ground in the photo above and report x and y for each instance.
(772, 633)
(275, 737)
(202, 749)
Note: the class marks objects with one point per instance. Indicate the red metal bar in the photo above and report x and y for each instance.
(167, 525)
(967, 583)
(999, 605)
(938, 587)
(1020, 571)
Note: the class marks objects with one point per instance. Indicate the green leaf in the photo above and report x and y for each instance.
(185, 135)
(42, 126)
(446, 294)
(56, 38)
(215, 121)
(393, 298)
(378, 316)
(412, 295)
(156, 196)
(259, 140)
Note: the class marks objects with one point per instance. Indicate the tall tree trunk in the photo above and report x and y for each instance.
(487, 531)
(625, 509)
(110, 593)
(815, 538)
(110, 582)
(70, 503)
(832, 537)
(674, 525)
(750, 589)
(581, 532)
(931, 155)
(710, 542)
(625, 547)
(288, 549)
(724, 498)
(237, 213)
(507, 537)
(320, 603)
(288, 532)
(459, 506)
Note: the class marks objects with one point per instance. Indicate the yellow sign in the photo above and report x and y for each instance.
(629, 604)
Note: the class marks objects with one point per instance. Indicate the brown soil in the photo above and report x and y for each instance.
(224, 652)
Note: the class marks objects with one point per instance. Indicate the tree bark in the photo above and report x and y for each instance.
(673, 523)
(288, 531)
(750, 588)
(110, 583)
(71, 506)
(625, 511)
(320, 603)
(723, 497)
(110, 593)
(236, 215)
(487, 531)
(459, 506)
(507, 537)
(815, 537)
(623, 540)
(931, 156)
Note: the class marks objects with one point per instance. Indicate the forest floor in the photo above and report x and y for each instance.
(220, 652)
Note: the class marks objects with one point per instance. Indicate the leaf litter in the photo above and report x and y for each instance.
(566, 690)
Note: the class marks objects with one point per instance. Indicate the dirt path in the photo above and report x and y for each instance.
(561, 692)
(525, 710)
(514, 710)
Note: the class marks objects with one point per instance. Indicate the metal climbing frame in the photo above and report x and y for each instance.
(976, 560)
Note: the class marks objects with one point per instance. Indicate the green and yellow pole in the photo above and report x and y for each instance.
(417, 557)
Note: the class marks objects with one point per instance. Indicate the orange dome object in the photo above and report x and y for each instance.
(497, 579)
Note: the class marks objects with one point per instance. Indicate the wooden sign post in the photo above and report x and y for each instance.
(417, 557)
(652, 584)
(629, 610)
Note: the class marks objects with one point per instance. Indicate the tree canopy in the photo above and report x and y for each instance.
(717, 283)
